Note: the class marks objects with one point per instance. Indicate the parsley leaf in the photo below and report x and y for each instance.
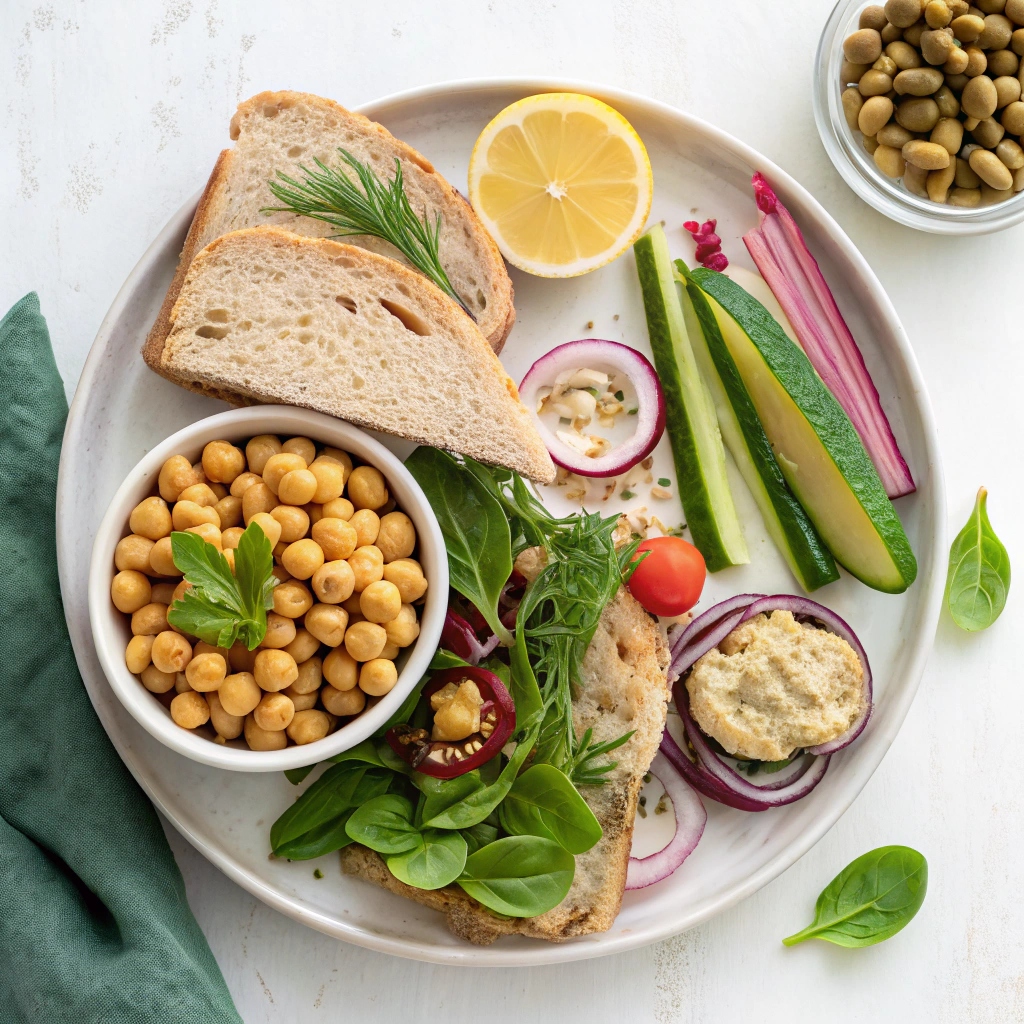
(222, 607)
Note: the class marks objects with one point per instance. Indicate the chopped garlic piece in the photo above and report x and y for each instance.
(583, 378)
(661, 493)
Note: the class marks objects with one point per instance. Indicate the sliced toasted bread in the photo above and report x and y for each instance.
(624, 687)
(277, 131)
(271, 316)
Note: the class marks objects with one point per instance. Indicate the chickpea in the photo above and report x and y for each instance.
(340, 670)
(903, 55)
(302, 701)
(175, 475)
(182, 588)
(132, 552)
(202, 647)
(274, 670)
(366, 524)
(190, 710)
(301, 446)
(274, 712)
(367, 565)
(206, 672)
(303, 647)
(281, 574)
(151, 518)
(279, 549)
(241, 659)
(365, 640)
(948, 133)
(229, 557)
(222, 461)
(314, 511)
(260, 449)
(367, 488)
(243, 482)
(939, 182)
(351, 605)
(337, 455)
(989, 133)
(330, 479)
(991, 169)
(294, 522)
(397, 536)
(292, 599)
(918, 114)
(149, 620)
(269, 525)
(257, 498)
(280, 631)
(1011, 154)
(138, 654)
(239, 693)
(407, 575)
(929, 155)
(219, 490)
(957, 62)
(339, 508)
(181, 683)
(162, 593)
(977, 63)
(171, 652)
(852, 102)
(378, 677)
(226, 725)
(902, 13)
(1013, 118)
(200, 494)
(391, 651)
(1007, 90)
(229, 510)
(261, 739)
(188, 513)
(156, 681)
(278, 466)
(297, 487)
(343, 703)
(161, 558)
(327, 623)
(130, 590)
(874, 114)
(864, 45)
(380, 602)
(334, 582)
(336, 537)
(874, 83)
(310, 676)
(303, 558)
(209, 532)
(403, 629)
(308, 727)
(873, 17)
(230, 537)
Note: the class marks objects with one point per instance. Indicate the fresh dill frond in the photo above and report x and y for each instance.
(366, 205)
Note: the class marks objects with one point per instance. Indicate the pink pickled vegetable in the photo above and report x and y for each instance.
(709, 246)
(793, 274)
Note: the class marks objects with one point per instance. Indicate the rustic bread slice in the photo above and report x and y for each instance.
(276, 131)
(624, 687)
(275, 317)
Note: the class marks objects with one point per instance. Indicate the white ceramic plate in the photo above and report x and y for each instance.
(122, 409)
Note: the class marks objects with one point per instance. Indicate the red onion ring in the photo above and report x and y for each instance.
(711, 616)
(689, 654)
(588, 352)
(459, 637)
(691, 817)
(700, 780)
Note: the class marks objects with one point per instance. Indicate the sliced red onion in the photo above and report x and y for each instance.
(689, 654)
(805, 607)
(593, 352)
(700, 780)
(459, 637)
(706, 619)
(691, 817)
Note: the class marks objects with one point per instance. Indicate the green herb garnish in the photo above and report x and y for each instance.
(371, 207)
(619, 396)
(663, 481)
(978, 578)
(627, 495)
(221, 607)
(632, 412)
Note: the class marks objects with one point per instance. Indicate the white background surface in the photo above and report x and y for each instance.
(112, 114)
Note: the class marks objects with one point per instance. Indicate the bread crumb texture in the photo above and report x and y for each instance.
(774, 686)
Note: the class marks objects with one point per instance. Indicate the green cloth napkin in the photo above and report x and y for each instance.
(94, 924)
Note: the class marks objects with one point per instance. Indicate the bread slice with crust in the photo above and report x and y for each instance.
(271, 316)
(624, 687)
(277, 131)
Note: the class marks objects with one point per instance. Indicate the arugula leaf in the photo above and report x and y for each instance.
(870, 900)
(978, 578)
(435, 862)
(222, 607)
(543, 802)
(385, 825)
(475, 530)
(519, 876)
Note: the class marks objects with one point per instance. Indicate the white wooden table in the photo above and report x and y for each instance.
(112, 114)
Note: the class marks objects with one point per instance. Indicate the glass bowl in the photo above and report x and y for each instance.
(846, 150)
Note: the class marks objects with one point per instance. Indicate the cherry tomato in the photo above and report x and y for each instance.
(669, 580)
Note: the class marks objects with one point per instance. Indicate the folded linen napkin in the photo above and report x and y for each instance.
(94, 924)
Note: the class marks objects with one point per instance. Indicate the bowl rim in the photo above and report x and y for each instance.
(858, 169)
(105, 619)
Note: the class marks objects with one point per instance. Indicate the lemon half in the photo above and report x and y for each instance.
(562, 182)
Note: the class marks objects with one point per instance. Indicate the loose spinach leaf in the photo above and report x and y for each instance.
(297, 775)
(476, 532)
(435, 862)
(479, 836)
(543, 802)
(519, 876)
(384, 824)
(360, 752)
(978, 578)
(870, 900)
(323, 839)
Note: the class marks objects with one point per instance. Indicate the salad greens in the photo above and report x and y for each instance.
(519, 876)
(870, 900)
(543, 802)
(222, 607)
(978, 578)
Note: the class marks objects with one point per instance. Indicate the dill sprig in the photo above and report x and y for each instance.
(366, 205)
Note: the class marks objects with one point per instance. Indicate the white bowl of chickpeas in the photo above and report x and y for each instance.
(359, 603)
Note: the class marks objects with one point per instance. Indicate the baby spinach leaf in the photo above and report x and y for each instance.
(978, 578)
(543, 802)
(384, 824)
(323, 839)
(870, 900)
(476, 532)
(364, 752)
(297, 775)
(435, 862)
(519, 876)
(478, 836)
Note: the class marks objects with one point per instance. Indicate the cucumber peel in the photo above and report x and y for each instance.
(816, 446)
(690, 420)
